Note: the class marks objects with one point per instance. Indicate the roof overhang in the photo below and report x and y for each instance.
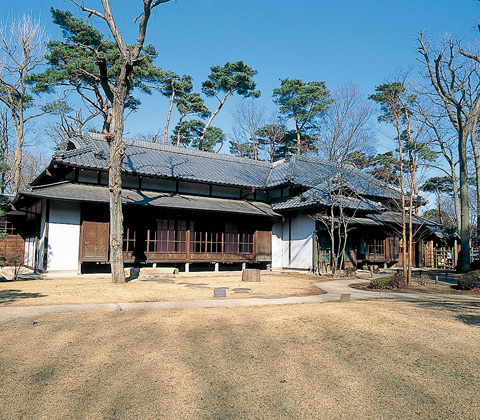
(100, 194)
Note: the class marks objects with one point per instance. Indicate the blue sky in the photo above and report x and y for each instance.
(334, 41)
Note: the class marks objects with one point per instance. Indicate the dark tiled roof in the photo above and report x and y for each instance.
(99, 194)
(314, 197)
(396, 217)
(310, 171)
(90, 150)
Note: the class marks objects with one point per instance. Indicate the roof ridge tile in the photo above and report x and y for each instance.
(179, 150)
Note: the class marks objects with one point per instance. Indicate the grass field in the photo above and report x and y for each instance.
(88, 289)
(356, 360)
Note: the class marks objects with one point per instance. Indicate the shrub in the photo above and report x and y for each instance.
(470, 281)
(380, 283)
(398, 282)
(423, 280)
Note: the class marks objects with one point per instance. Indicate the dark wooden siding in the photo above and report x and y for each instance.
(263, 240)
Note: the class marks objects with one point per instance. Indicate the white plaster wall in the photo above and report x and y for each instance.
(302, 242)
(298, 254)
(41, 241)
(63, 236)
(29, 258)
(277, 245)
(285, 247)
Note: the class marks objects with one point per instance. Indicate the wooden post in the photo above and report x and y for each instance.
(251, 275)
(148, 243)
(187, 245)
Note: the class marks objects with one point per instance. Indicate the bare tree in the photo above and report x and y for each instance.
(340, 206)
(271, 137)
(346, 125)
(4, 148)
(117, 92)
(22, 47)
(149, 136)
(248, 117)
(67, 123)
(444, 141)
(457, 86)
(398, 107)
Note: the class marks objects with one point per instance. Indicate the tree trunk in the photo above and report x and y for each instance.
(172, 97)
(17, 158)
(202, 137)
(117, 152)
(410, 240)
(179, 131)
(440, 207)
(456, 199)
(250, 274)
(476, 155)
(463, 265)
(299, 139)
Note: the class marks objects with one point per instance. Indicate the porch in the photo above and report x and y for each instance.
(162, 236)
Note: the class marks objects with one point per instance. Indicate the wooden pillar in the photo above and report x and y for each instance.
(148, 244)
(187, 245)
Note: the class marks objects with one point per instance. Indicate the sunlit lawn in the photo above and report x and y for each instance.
(356, 360)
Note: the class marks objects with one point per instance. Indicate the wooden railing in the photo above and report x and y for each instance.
(186, 245)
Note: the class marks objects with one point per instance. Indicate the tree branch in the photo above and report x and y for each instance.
(90, 11)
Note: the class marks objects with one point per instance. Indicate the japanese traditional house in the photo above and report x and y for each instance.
(183, 206)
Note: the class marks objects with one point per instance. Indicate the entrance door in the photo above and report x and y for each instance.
(95, 241)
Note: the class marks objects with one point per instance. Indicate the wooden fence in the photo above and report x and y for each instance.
(438, 257)
(12, 248)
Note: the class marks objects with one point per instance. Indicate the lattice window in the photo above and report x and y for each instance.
(376, 246)
(6, 227)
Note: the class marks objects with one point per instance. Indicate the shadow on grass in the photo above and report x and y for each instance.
(12, 295)
(467, 312)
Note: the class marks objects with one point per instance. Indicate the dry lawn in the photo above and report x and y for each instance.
(356, 360)
(88, 289)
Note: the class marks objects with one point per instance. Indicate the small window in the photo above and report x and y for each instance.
(376, 246)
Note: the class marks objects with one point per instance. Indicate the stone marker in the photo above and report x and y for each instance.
(219, 293)
(344, 297)
(241, 290)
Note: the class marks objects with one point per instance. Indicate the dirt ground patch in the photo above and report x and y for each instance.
(356, 360)
(415, 288)
(88, 289)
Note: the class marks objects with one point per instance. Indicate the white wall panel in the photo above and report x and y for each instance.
(63, 236)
